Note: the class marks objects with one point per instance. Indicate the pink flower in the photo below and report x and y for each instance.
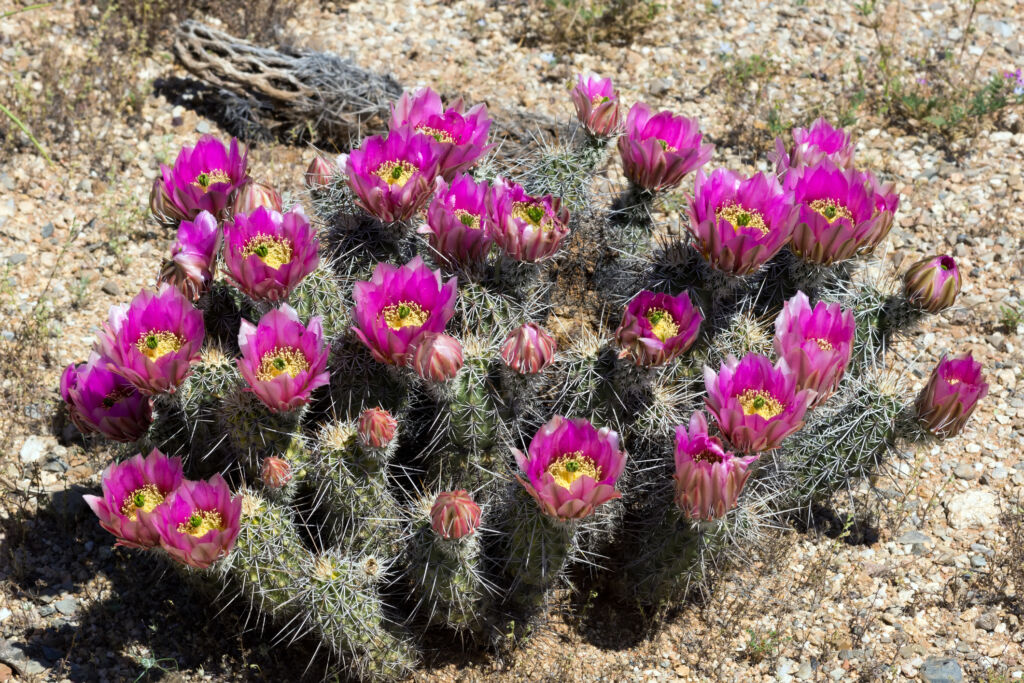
(398, 306)
(886, 200)
(933, 283)
(320, 174)
(755, 404)
(275, 473)
(437, 357)
(376, 428)
(658, 150)
(203, 178)
(101, 400)
(460, 137)
(268, 254)
(255, 194)
(951, 395)
(657, 328)
(708, 478)
(193, 256)
(816, 343)
(282, 360)
(597, 105)
(526, 228)
(133, 493)
(571, 468)
(199, 523)
(454, 514)
(393, 177)
(813, 145)
(739, 224)
(529, 349)
(457, 221)
(154, 341)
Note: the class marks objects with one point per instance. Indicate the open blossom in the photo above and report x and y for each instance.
(838, 216)
(932, 283)
(267, 254)
(132, 492)
(153, 341)
(454, 514)
(756, 404)
(597, 105)
(657, 150)
(951, 395)
(571, 467)
(529, 349)
(376, 427)
(203, 178)
(815, 342)
(437, 357)
(657, 328)
(398, 306)
(458, 224)
(393, 177)
(708, 479)
(812, 145)
(199, 523)
(101, 400)
(460, 136)
(526, 228)
(282, 360)
(193, 256)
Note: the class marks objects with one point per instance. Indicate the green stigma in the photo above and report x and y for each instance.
(195, 520)
(152, 342)
(468, 219)
(403, 311)
(280, 363)
(830, 211)
(139, 500)
(759, 402)
(572, 466)
(536, 213)
(743, 219)
(261, 251)
(396, 172)
(203, 179)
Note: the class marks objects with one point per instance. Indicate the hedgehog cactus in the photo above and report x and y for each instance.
(417, 397)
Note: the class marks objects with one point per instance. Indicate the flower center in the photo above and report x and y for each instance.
(282, 360)
(207, 178)
(273, 251)
(823, 344)
(156, 343)
(759, 402)
(709, 456)
(599, 99)
(404, 314)
(470, 220)
(437, 134)
(571, 466)
(201, 522)
(116, 396)
(145, 499)
(395, 172)
(533, 213)
(739, 217)
(831, 209)
(663, 325)
(665, 146)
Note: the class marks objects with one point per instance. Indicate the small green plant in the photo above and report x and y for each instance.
(1011, 316)
(762, 645)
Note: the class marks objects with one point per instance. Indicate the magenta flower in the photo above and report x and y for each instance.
(193, 256)
(816, 343)
(657, 328)
(739, 224)
(460, 137)
(203, 178)
(398, 306)
(454, 514)
(255, 194)
(756, 405)
(837, 216)
(457, 220)
(101, 400)
(153, 341)
(658, 150)
(267, 254)
(933, 283)
(393, 177)
(951, 395)
(199, 523)
(571, 468)
(597, 105)
(376, 427)
(133, 492)
(529, 349)
(275, 473)
(437, 357)
(283, 360)
(886, 200)
(708, 478)
(528, 229)
(813, 145)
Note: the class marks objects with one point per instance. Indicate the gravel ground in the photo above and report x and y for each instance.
(917, 595)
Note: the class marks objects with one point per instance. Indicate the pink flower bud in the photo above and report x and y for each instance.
(529, 349)
(255, 194)
(932, 283)
(454, 515)
(320, 174)
(376, 428)
(951, 395)
(276, 472)
(438, 357)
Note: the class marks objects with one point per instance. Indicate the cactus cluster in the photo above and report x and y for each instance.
(462, 386)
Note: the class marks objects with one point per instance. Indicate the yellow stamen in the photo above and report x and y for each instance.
(599, 99)
(201, 522)
(823, 344)
(404, 314)
(470, 220)
(571, 466)
(208, 178)
(282, 360)
(437, 134)
(708, 457)
(145, 499)
(533, 213)
(156, 343)
(395, 172)
(663, 325)
(831, 209)
(759, 402)
(273, 251)
(739, 217)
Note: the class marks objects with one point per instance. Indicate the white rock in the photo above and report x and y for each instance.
(972, 508)
(36, 447)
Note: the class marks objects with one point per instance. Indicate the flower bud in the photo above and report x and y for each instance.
(162, 207)
(529, 349)
(438, 357)
(255, 194)
(454, 514)
(951, 395)
(932, 283)
(275, 473)
(376, 428)
(320, 174)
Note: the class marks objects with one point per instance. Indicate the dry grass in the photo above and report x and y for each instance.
(563, 24)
